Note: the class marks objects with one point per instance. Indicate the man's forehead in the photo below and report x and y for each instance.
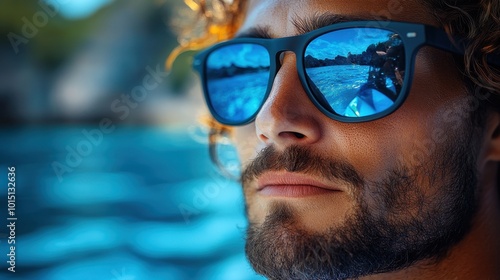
(287, 18)
(304, 24)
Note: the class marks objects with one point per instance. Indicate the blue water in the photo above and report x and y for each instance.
(141, 203)
(339, 84)
(238, 98)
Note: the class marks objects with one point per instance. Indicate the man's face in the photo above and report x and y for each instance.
(329, 200)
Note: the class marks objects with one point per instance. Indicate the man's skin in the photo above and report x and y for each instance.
(288, 118)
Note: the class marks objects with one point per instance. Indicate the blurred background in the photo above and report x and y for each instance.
(113, 178)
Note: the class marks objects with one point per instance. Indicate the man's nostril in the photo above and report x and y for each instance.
(298, 135)
(292, 134)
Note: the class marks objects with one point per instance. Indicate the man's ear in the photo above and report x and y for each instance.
(493, 137)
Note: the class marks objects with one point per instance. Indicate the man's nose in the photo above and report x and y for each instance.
(288, 117)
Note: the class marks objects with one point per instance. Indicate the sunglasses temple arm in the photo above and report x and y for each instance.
(438, 38)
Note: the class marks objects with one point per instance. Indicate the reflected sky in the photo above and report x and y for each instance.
(341, 42)
(243, 55)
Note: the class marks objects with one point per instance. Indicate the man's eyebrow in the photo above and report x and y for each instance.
(304, 24)
(255, 32)
(310, 23)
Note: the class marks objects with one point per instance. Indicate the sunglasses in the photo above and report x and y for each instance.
(352, 72)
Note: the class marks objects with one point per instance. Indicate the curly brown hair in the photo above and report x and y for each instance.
(214, 21)
(479, 23)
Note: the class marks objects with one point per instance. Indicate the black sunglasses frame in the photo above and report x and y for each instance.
(413, 35)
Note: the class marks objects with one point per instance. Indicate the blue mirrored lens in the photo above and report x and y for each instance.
(356, 72)
(237, 80)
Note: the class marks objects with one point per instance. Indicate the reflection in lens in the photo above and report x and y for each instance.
(356, 72)
(237, 79)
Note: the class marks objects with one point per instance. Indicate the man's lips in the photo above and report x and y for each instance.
(287, 184)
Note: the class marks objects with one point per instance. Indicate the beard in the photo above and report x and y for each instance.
(415, 215)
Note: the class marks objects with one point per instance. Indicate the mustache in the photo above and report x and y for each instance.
(301, 160)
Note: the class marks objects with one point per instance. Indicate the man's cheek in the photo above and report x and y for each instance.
(257, 210)
(246, 143)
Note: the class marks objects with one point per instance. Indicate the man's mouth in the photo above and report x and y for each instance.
(287, 184)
